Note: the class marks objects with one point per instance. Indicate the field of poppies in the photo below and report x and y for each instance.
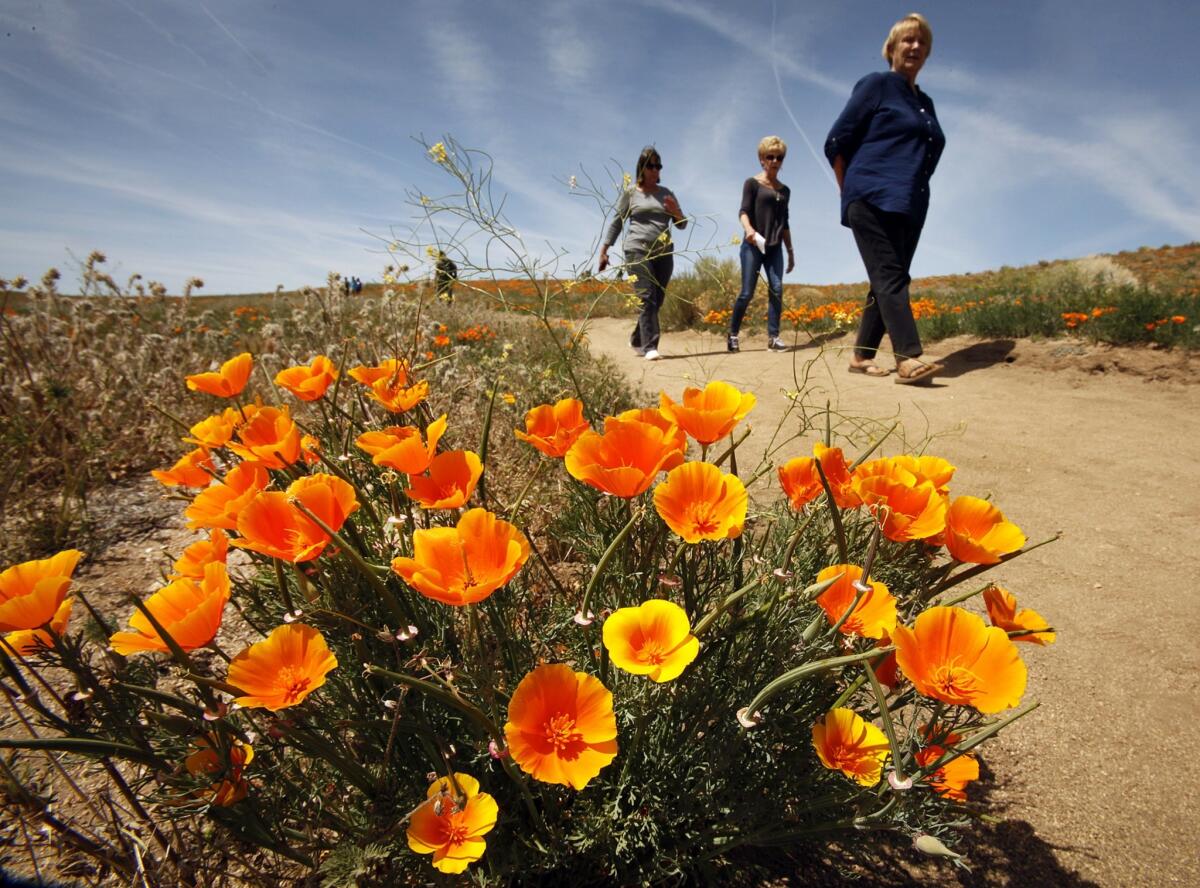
(571, 650)
(459, 601)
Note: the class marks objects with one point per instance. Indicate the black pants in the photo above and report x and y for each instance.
(886, 242)
(653, 274)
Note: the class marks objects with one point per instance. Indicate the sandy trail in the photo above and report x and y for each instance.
(1097, 786)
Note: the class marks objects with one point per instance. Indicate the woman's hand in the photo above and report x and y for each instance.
(791, 260)
(603, 260)
(671, 205)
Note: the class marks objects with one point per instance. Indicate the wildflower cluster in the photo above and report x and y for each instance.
(390, 595)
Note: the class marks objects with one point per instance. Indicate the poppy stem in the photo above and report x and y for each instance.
(516, 506)
(389, 598)
(284, 592)
(834, 514)
(729, 453)
(975, 570)
(975, 740)
(484, 436)
(602, 564)
(886, 716)
(793, 676)
(862, 457)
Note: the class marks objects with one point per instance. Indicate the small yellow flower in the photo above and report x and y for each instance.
(628, 179)
(508, 398)
(438, 153)
(430, 251)
(633, 278)
(735, 240)
(425, 201)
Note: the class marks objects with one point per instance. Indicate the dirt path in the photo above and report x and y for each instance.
(1097, 786)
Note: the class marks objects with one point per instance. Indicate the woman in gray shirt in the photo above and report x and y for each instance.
(649, 209)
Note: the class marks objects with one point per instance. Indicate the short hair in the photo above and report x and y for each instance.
(772, 144)
(649, 153)
(910, 20)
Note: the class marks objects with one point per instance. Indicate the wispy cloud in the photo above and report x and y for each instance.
(233, 37)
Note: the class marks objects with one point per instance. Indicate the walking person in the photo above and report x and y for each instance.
(445, 276)
(884, 148)
(649, 209)
(764, 218)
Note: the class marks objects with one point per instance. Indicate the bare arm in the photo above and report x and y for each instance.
(839, 170)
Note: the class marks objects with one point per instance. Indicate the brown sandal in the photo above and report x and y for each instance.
(870, 370)
(922, 374)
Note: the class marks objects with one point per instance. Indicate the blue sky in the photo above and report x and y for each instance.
(255, 143)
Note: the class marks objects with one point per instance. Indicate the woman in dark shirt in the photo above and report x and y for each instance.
(884, 147)
(764, 218)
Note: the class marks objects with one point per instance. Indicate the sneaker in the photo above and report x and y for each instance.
(776, 344)
(652, 354)
(731, 343)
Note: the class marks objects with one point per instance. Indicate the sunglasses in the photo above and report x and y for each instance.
(778, 157)
(653, 166)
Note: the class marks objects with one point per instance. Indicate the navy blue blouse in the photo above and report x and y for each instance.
(891, 141)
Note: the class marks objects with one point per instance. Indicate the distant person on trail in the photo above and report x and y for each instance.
(649, 209)
(764, 218)
(445, 275)
(884, 148)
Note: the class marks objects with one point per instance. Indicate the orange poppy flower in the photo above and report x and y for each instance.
(282, 669)
(1002, 611)
(402, 447)
(269, 438)
(837, 473)
(698, 502)
(977, 533)
(29, 641)
(271, 525)
(391, 369)
(466, 563)
(453, 834)
(845, 742)
(934, 469)
(625, 460)
(561, 726)
(189, 610)
(227, 382)
(200, 554)
(950, 655)
(193, 469)
(951, 779)
(659, 420)
(219, 505)
(552, 429)
(710, 413)
(215, 431)
(653, 639)
(451, 480)
(389, 384)
(906, 511)
(208, 761)
(800, 482)
(32, 592)
(308, 382)
(875, 615)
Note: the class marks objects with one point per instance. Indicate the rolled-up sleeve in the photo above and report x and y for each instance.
(847, 131)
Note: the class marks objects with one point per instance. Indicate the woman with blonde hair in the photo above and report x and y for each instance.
(649, 209)
(764, 218)
(884, 148)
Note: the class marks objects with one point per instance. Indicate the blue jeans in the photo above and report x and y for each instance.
(772, 263)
